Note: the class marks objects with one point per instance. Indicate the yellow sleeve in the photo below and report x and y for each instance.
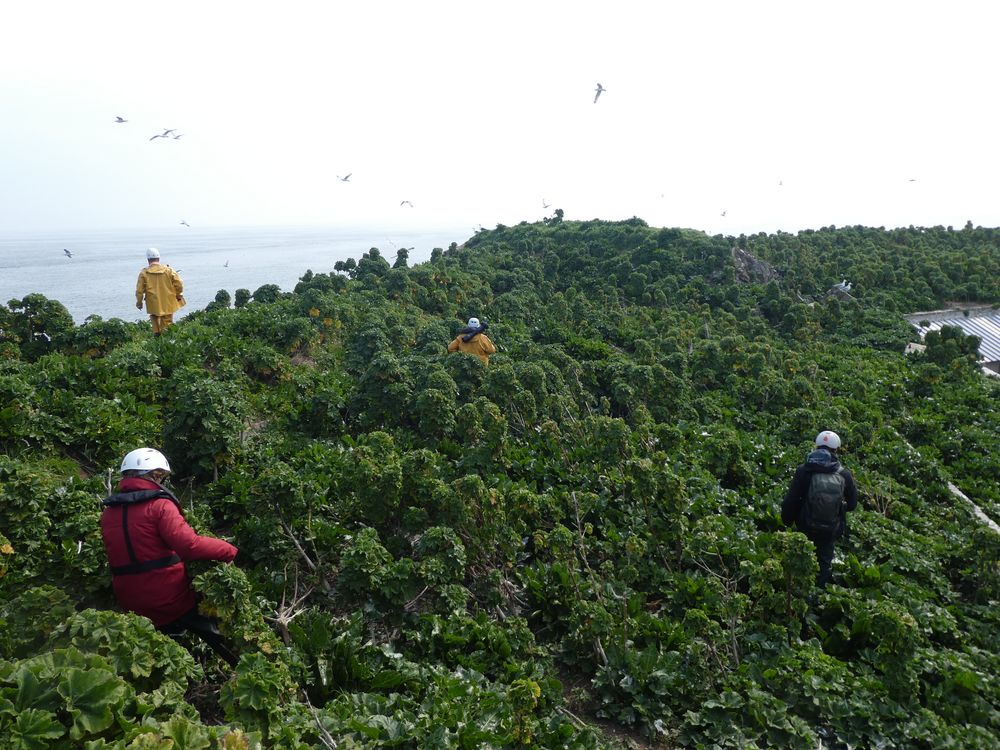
(488, 345)
(453, 346)
(175, 281)
(140, 288)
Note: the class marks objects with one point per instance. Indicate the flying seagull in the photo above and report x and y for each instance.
(178, 136)
(165, 134)
(185, 224)
(226, 264)
(544, 204)
(68, 253)
(599, 90)
(723, 213)
(346, 177)
(912, 179)
(406, 203)
(120, 119)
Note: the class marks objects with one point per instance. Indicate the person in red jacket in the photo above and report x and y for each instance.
(147, 541)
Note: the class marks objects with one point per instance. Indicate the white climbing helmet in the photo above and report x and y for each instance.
(144, 460)
(828, 439)
(473, 323)
(152, 253)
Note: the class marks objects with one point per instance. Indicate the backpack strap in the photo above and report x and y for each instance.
(134, 565)
(145, 567)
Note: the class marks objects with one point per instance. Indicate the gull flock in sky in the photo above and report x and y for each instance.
(790, 115)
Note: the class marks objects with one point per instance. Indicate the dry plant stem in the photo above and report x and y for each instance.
(574, 719)
(412, 604)
(298, 546)
(324, 736)
(582, 553)
(288, 612)
(730, 584)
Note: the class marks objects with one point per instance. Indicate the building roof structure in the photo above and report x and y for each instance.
(982, 322)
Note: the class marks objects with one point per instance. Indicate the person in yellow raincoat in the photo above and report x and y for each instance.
(473, 340)
(162, 289)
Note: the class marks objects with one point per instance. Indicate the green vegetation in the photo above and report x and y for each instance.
(576, 546)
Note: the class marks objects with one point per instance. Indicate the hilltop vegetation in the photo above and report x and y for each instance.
(575, 546)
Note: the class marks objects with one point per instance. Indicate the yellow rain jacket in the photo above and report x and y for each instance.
(479, 345)
(162, 288)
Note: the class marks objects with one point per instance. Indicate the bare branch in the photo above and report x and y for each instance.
(298, 546)
(574, 719)
(599, 652)
(324, 736)
(288, 612)
(412, 604)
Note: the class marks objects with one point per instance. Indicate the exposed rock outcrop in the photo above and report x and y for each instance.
(750, 269)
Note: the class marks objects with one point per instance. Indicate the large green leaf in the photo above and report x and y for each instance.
(150, 742)
(92, 698)
(133, 648)
(34, 729)
(103, 744)
(186, 734)
(51, 664)
(31, 693)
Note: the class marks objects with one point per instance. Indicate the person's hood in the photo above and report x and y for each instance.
(468, 333)
(822, 461)
(133, 490)
(131, 484)
(157, 268)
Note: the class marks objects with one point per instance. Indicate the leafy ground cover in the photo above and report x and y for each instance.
(576, 546)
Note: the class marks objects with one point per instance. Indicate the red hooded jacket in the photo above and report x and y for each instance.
(147, 540)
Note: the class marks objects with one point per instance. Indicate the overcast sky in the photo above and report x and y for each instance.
(783, 115)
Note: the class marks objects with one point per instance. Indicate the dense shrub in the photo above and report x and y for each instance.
(581, 535)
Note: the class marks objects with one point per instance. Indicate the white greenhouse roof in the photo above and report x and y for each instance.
(982, 322)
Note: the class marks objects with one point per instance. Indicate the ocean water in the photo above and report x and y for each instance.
(100, 277)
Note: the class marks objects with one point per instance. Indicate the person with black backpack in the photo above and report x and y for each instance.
(821, 494)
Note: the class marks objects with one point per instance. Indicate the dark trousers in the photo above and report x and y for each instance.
(824, 556)
(205, 628)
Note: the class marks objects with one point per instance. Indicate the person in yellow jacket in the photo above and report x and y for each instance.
(162, 289)
(473, 340)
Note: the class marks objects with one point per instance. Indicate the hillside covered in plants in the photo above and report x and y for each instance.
(577, 545)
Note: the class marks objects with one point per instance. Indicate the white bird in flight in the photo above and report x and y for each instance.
(119, 119)
(599, 90)
(165, 134)
(185, 224)
(68, 253)
(406, 203)
(544, 204)
(346, 177)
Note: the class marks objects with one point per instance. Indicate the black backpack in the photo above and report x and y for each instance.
(824, 504)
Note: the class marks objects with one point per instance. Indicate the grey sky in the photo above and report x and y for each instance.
(785, 115)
